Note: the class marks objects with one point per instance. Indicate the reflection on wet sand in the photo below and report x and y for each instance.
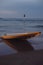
(20, 45)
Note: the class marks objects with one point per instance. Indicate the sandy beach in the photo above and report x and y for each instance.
(26, 55)
(23, 58)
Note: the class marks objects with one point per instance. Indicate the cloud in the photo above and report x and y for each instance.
(8, 2)
(7, 13)
(16, 8)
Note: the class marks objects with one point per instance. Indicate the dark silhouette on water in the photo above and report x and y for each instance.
(24, 15)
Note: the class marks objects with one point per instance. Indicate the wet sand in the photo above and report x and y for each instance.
(26, 54)
(23, 58)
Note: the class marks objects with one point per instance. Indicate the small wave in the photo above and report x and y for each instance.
(3, 26)
(2, 31)
(6, 25)
(19, 19)
(41, 26)
(38, 26)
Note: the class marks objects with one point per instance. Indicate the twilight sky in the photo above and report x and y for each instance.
(16, 8)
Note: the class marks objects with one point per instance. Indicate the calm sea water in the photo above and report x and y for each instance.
(12, 26)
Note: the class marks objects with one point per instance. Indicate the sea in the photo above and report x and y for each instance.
(20, 25)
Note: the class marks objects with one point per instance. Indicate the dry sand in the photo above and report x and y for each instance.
(23, 58)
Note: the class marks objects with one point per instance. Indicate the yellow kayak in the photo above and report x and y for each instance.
(18, 40)
(20, 35)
